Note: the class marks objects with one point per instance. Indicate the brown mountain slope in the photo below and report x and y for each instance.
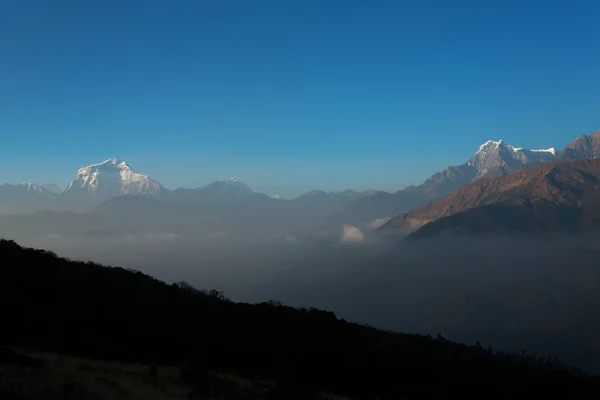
(564, 194)
(584, 147)
(491, 159)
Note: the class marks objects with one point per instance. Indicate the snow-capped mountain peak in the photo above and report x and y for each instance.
(112, 177)
(31, 187)
(493, 157)
(490, 144)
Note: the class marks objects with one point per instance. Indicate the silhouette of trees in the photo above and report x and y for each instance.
(90, 310)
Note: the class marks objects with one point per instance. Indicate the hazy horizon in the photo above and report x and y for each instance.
(287, 190)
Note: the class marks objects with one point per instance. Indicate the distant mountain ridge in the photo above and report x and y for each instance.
(560, 197)
(493, 158)
(25, 198)
(342, 193)
(219, 192)
(51, 187)
(99, 182)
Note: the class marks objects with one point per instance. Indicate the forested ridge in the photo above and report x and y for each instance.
(85, 309)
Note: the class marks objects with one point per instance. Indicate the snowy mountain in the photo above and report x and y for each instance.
(96, 183)
(499, 158)
(493, 158)
(109, 179)
(26, 187)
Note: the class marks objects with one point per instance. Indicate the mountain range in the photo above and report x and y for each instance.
(557, 196)
(112, 178)
(560, 197)
(493, 158)
(233, 201)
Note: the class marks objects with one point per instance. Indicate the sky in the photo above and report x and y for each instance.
(289, 96)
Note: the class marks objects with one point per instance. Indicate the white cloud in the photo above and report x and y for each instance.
(291, 239)
(352, 234)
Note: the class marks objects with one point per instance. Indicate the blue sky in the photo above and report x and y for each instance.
(289, 95)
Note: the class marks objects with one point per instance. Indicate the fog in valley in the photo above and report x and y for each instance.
(509, 292)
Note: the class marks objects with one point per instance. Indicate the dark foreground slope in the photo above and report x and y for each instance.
(89, 310)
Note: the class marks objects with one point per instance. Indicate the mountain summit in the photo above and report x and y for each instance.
(586, 147)
(492, 159)
(499, 159)
(112, 178)
(559, 196)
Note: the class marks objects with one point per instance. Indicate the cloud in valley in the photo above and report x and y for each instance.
(351, 234)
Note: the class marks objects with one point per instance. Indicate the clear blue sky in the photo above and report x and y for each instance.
(289, 95)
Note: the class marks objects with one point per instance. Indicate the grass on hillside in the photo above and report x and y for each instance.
(27, 375)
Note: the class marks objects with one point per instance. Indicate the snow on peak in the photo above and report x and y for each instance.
(494, 155)
(32, 187)
(551, 150)
(112, 177)
(489, 144)
(232, 179)
(276, 197)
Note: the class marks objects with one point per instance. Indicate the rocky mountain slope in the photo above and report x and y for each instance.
(563, 196)
(51, 187)
(491, 159)
(585, 147)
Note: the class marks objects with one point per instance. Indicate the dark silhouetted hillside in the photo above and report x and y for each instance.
(90, 310)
